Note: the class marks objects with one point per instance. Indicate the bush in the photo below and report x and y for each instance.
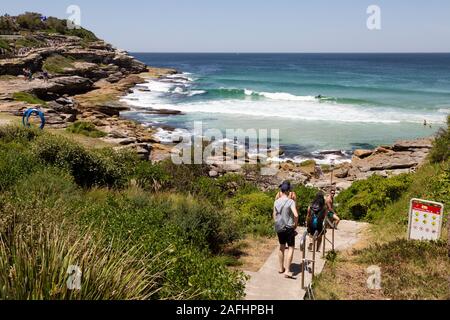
(366, 197)
(57, 64)
(15, 163)
(441, 145)
(19, 135)
(176, 229)
(151, 177)
(87, 129)
(202, 224)
(89, 168)
(30, 21)
(254, 212)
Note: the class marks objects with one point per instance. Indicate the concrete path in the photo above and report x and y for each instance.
(267, 284)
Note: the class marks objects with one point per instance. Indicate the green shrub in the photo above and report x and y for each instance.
(28, 98)
(4, 45)
(18, 134)
(254, 212)
(441, 145)
(366, 197)
(30, 21)
(57, 64)
(164, 226)
(82, 33)
(202, 223)
(88, 167)
(151, 177)
(8, 24)
(87, 129)
(15, 162)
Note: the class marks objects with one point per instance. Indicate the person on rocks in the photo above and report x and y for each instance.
(285, 215)
(45, 76)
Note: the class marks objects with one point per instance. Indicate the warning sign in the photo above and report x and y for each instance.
(425, 220)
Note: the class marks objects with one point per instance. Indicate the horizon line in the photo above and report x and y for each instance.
(268, 52)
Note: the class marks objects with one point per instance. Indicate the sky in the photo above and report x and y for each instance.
(257, 25)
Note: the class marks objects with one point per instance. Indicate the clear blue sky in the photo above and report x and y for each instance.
(257, 25)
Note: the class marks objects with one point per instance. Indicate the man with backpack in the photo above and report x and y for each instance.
(315, 218)
(285, 215)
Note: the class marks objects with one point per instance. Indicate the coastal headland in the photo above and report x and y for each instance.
(87, 78)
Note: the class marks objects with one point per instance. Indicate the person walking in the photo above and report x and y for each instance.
(285, 215)
(315, 218)
(332, 214)
(286, 185)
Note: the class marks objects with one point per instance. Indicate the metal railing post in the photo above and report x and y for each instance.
(332, 241)
(305, 236)
(314, 255)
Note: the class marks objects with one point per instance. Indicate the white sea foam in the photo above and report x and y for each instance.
(282, 96)
(279, 105)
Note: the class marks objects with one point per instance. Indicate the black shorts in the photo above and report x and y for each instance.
(287, 237)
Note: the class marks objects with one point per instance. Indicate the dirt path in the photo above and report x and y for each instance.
(267, 284)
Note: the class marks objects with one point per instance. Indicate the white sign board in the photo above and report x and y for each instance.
(425, 220)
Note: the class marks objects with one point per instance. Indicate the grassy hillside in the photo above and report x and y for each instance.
(410, 269)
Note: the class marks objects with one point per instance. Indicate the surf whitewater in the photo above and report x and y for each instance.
(321, 114)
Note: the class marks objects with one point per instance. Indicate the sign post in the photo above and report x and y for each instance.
(425, 220)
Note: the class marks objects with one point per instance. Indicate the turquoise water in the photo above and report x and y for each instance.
(366, 99)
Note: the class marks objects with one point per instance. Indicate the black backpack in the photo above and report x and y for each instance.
(316, 217)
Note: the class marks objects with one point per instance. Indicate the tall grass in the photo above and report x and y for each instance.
(35, 265)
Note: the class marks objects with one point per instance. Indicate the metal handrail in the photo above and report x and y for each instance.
(303, 247)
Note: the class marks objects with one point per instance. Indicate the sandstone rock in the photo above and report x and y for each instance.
(126, 141)
(341, 186)
(342, 173)
(361, 153)
(69, 117)
(164, 112)
(111, 109)
(148, 139)
(404, 145)
(62, 108)
(275, 153)
(71, 85)
(379, 162)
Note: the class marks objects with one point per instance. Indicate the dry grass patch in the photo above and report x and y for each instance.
(252, 252)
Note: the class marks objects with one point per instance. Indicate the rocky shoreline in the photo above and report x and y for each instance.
(98, 75)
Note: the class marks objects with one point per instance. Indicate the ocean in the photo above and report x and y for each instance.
(319, 102)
